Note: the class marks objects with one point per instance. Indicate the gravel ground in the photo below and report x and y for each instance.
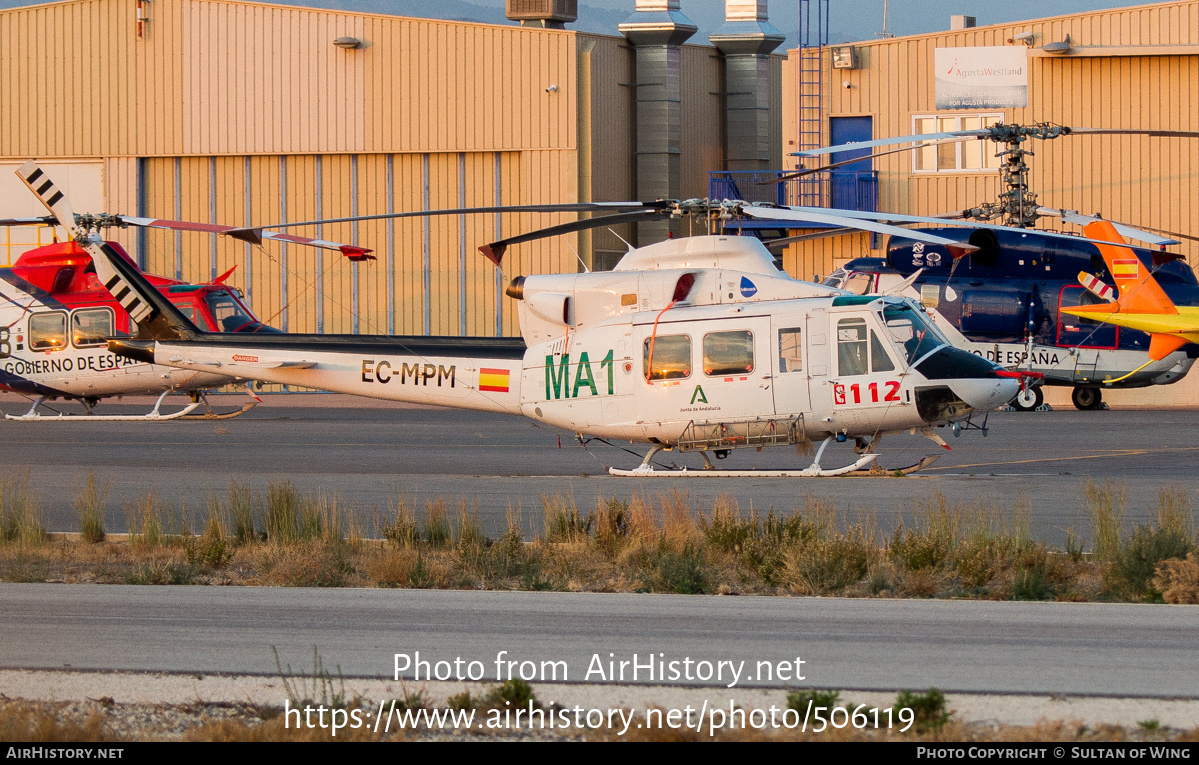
(165, 706)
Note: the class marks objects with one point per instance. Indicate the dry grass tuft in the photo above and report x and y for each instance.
(20, 513)
(646, 542)
(32, 725)
(90, 506)
(1107, 504)
(1178, 580)
(274, 730)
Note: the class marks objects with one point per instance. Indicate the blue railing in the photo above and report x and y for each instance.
(845, 190)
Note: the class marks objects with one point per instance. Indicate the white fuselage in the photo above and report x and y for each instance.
(41, 355)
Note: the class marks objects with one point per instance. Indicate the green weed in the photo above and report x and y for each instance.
(928, 708)
(90, 505)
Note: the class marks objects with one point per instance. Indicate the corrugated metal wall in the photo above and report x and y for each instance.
(237, 112)
(428, 276)
(240, 112)
(1139, 180)
(73, 72)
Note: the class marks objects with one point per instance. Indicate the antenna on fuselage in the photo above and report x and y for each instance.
(621, 238)
(586, 270)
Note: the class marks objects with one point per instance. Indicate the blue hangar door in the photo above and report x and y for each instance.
(846, 181)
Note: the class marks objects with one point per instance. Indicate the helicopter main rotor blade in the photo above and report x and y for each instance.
(552, 208)
(1128, 232)
(253, 236)
(844, 216)
(783, 241)
(1123, 131)
(44, 220)
(842, 163)
(956, 135)
(840, 218)
(495, 250)
(999, 132)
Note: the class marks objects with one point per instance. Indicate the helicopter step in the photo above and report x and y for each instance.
(720, 436)
(211, 415)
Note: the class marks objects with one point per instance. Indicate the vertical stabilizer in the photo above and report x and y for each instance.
(1139, 291)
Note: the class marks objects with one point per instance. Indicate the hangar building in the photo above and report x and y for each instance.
(241, 112)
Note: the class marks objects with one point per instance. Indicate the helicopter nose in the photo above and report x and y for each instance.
(981, 384)
(986, 394)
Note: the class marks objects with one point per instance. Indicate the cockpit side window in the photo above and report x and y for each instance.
(835, 279)
(879, 360)
(228, 312)
(859, 284)
(912, 330)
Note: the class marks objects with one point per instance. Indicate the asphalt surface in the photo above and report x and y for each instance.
(371, 455)
(1118, 650)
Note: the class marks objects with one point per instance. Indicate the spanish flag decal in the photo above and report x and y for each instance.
(494, 380)
(1125, 269)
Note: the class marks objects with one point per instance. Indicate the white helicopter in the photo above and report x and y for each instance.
(696, 343)
(56, 318)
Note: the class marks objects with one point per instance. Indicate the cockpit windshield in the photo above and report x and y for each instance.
(911, 328)
(857, 282)
(835, 279)
(229, 314)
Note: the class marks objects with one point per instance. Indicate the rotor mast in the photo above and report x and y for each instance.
(1017, 206)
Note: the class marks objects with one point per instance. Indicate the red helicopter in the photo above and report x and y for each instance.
(56, 317)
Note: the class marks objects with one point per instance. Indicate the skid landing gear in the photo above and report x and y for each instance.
(154, 415)
(864, 465)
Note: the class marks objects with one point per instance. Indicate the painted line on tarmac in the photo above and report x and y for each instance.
(1105, 455)
(1102, 455)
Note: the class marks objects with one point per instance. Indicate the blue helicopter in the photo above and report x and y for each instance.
(1002, 301)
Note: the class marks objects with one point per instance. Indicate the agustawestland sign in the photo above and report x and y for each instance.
(972, 78)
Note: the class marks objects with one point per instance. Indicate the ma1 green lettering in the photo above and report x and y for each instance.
(583, 376)
(559, 378)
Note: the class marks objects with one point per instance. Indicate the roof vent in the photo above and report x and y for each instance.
(550, 14)
(962, 22)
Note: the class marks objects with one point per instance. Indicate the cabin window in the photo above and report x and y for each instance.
(672, 357)
(851, 347)
(91, 327)
(970, 155)
(48, 331)
(729, 353)
(791, 349)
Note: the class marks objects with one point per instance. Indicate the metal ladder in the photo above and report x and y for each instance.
(813, 38)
